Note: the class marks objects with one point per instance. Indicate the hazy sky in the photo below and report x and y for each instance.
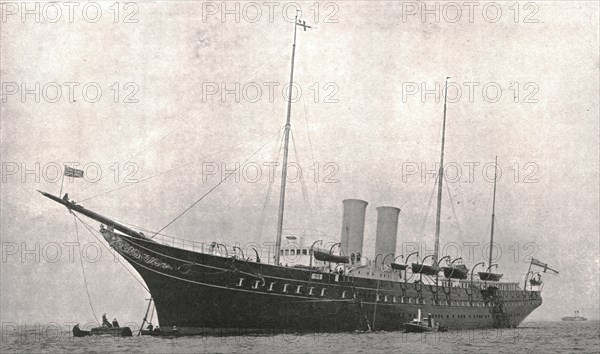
(367, 118)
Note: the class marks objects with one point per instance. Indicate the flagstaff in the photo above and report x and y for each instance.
(69, 172)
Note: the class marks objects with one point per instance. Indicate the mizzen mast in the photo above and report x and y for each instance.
(440, 182)
(286, 146)
(493, 215)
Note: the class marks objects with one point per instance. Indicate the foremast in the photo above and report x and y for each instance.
(287, 129)
(440, 182)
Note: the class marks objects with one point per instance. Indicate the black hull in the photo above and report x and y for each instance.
(198, 292)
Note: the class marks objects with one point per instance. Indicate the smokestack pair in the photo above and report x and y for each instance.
(353, 229)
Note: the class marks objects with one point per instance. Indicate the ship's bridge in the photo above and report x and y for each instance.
(298, 250)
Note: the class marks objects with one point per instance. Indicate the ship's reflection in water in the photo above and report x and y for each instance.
(535, 337)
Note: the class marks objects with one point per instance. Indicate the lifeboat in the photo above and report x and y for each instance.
(456, 272)
(328, 257)
(398, 266)
(425, 269)
(488, 276)
(420, 325)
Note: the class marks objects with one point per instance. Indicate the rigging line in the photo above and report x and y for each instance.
(83, 271)
(276, 154)
(284, 51)
(165, 172)
(487, 209)
(500, 227)
(144, 149)
(453, 210)
(303, 183)
(306, 120)
(416, 191)
(89, 228)
(152, 313)
(317, 197)
(488, 224)
(217, 185)
(489, 200)
(428, 206)
(460, 194)
(487, 228)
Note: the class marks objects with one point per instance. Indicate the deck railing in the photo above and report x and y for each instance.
(225, 250)
(214, 248)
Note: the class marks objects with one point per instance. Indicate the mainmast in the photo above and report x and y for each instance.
(493, 215)
(440, 182)
(286, 146)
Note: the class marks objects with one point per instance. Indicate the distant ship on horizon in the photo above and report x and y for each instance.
(574, 318)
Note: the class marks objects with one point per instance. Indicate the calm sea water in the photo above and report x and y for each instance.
(540, 337)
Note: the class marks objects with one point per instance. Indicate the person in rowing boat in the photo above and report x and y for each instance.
(105, 322)
(115, 323)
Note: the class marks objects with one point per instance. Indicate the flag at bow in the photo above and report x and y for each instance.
(536, 262)
(73, 172)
